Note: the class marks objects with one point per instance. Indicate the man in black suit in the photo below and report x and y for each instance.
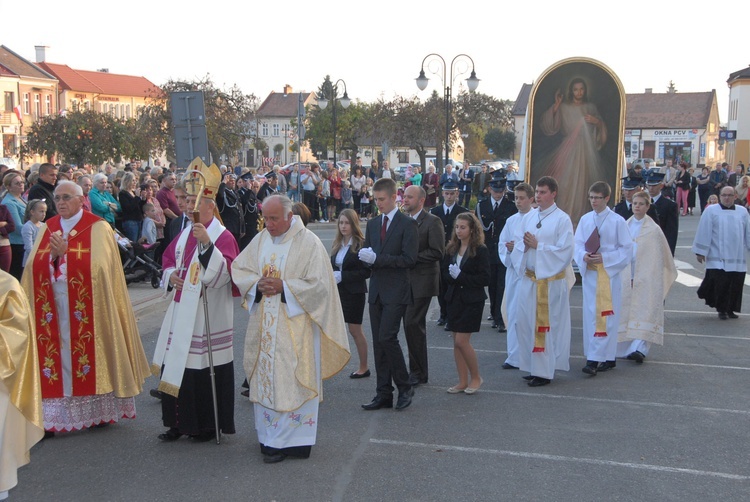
(493, 213)
(230, 207)
(425, 281)
(666, 209)
(391, 248)
(249, 209)
(270, 187)
(447, 212)
(630, 185)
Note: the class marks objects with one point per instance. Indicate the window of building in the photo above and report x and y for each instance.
(37, 105)
(122, 111)
(127, 111)
(711, 127)
(74, 104)
(276, 129)
(27, 103)
(9, 101)
(264, 130)
(9, 144)
(48, 104)
(87, 105)
(403, 157)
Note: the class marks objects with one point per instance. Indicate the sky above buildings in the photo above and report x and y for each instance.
(377, 48)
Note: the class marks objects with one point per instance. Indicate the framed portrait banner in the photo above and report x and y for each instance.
(576, 119)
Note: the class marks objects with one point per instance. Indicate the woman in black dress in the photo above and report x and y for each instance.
(466, 270)
(351, 274)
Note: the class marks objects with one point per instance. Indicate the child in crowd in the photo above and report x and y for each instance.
(323, 196)
(36, 210)
(346, 195)
(366, 201)
(148, 232)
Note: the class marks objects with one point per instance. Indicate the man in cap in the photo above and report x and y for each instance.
(197, 265)
(249, 202)
(91, 359)
(603, 248)
(230, 208)
(447, 212)
(722, 238)
(666, 209)
(493, 213)
(270, 187)
(631, 185)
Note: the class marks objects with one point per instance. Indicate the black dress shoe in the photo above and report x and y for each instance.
(723, 316)
(415, 381)
(274, 458)
(637, 356)
(447, 328)
(590, 368)
(732, 315)
(441, 321)
(203, 437)
(360, 375)
(170, 435)
(48, 434)
(507, 366)
(606, 366)
(155, 393)
(404, 399)
(490, 318)
(377, 403)
(501, 328)
(245, 392)
(494, 325)
(539, 381)
(528, 377)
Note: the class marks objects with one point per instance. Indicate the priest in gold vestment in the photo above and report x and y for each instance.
(91, 361)
(296, 335)
(20, 394)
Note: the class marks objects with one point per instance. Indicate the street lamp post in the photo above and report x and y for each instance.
(345, 102)
(472, 83)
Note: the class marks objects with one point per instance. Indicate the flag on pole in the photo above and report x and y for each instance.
(17, 109)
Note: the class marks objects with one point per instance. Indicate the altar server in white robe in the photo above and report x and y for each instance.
(722, 238)
(544, 264)
(602, 251)
(524, 198)
(645, 284)
(296, 335)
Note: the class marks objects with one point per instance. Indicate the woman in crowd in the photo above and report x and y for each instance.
(324, 193)
(358, 181)
(149, 196)
(416, 179)
(374, 173)
(14, 184)
(430, 184)
(131, 203)
(334, 202)
(7, 226)
(466, 271)
(691, 192)
(351, 273)
(310, 181)
(36, 210)
(103, 203)
(742, 188)
(704, 188)
(682, 181)
(652, 272)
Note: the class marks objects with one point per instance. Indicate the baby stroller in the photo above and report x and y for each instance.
(138, 261)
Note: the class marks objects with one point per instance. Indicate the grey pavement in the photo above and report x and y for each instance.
(674, 428)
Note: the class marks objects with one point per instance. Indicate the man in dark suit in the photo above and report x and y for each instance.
(447, 212)
(270, 187)
(230, 207)
(493, 213)
(630, 185)
(425, 281)
(666, 209)
(391, 248)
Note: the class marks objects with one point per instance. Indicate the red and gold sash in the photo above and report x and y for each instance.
(603, 307)
(78, 259)
(542, 326)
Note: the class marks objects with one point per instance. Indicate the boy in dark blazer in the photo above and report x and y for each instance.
(391, 248)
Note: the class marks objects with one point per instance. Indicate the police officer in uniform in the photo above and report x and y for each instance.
(447, 212)
(493, 213)
(631, 185)
(249, 203)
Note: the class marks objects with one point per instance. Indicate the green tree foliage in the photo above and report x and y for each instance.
(80, 137)
(349, 121)
(501, 142)
(476, 114)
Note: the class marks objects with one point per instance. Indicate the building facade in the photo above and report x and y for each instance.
(739, 117)
(29, 94)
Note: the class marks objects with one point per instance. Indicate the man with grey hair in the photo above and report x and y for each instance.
(92, 360)
(86, 185)
(721, 240)
(296, 335)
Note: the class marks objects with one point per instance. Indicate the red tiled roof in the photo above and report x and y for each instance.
(99, 82)
(16, 65)
(282, 105)
(665, 110)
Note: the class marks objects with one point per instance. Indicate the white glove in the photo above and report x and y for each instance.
(454, 270)
(367, 255)
(337, 276)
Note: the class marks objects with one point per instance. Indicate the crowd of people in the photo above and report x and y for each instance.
(421, 241)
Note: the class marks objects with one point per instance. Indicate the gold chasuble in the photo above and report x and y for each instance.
(105, 345)
(280, 358)
(20, 395)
